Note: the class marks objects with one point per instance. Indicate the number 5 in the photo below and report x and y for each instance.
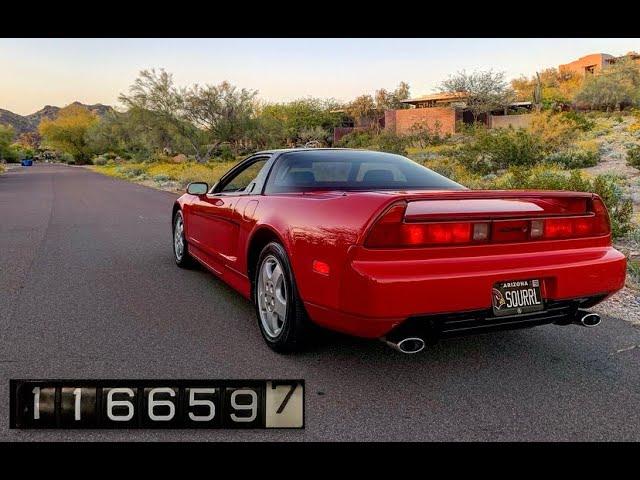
(205, 403)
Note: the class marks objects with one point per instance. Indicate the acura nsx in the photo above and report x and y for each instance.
(375, 245)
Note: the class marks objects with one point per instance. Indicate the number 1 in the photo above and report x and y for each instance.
(78, 394)
(36, 403)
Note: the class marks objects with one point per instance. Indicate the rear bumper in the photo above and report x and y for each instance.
(379, 292)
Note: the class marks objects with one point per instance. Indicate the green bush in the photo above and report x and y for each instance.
(130, 171)
(391, 143)
(571, 159)
(100, 160)
(493, 150)
(633, 268)
(580, 120)
(633, 156)
(66, 158)
(356, 139)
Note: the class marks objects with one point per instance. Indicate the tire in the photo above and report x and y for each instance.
(291, 330)
(181, 255)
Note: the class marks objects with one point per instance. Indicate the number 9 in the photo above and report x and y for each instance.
(253, 406)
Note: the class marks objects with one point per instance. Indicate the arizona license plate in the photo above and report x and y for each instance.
(514, 298)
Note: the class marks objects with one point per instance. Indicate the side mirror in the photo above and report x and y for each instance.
(197, 188)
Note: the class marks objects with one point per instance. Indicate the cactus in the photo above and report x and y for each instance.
(537, 92)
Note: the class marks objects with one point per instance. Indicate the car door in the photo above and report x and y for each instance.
(217, 215)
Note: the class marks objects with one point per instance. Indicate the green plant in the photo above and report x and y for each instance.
(633, 269)
(571, 159)
(580, 120)
(391, 143)
(633, 156)
(493, 150)
(356, 139)
(100, 160)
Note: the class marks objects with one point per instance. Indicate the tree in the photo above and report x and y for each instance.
(280, 124)
(485, 90)
(6, 138)
(29, 140)
(67, 132)
(614, 88)
(159, 107)
(223, 110)
(363, 110)
(393, 100)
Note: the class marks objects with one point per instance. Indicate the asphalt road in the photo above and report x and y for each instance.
(89, 289)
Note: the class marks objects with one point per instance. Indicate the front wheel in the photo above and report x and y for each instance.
(180, 247)
(281, 315)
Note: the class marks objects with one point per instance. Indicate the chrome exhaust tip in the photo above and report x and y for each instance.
(407, 345)
(587, 319)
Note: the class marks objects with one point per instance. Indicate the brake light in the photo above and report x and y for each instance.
(392, 231)
(596, 222)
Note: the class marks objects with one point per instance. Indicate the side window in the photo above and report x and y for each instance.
(245, 180)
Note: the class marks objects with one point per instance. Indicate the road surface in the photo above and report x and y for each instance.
(89, 289)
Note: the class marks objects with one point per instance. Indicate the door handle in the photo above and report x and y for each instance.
(218, 203)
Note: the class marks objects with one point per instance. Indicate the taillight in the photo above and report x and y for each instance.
(391, 230)
(596, 223)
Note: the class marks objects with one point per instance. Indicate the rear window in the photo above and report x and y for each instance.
(352, 170)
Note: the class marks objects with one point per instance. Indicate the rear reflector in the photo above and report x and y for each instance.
(392, 231)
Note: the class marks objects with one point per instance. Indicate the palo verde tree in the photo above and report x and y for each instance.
(485, 90)
(159, 107)
(67, 132)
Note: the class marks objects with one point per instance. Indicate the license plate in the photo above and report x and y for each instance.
(516, 297)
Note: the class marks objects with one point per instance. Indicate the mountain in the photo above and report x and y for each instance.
(29, 123)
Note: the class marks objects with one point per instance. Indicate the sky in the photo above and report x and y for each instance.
(38, 72)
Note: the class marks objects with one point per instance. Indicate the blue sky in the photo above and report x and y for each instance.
(36, 72)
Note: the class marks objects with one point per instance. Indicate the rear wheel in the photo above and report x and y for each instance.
(281, 315)
(180, 247)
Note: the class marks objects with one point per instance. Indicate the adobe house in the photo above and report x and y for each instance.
(447, 111)
(595, 63)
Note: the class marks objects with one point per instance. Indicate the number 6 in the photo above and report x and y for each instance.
(157, 403)
(119, 403)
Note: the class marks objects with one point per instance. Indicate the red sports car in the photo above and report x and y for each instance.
(375, 245)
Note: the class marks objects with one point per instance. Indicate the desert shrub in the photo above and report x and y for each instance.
(422, 135)
(356, 139)
(633, 268)
(391, 143)
(580, 120)
(66, 158)
(131, 170)
(492, 150)
(555, 131)
(100, 160)
(581, 154)
(633, 156)
(160, 178)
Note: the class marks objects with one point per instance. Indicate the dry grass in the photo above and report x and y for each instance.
(179, 173)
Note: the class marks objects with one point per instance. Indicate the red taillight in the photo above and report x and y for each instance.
(594, 224)
(436, 233)
(391, 230)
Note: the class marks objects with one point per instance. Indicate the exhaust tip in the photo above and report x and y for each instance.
(408, 345)
(590, 320)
